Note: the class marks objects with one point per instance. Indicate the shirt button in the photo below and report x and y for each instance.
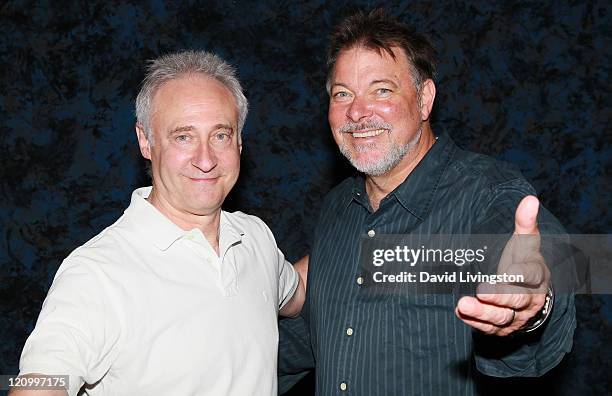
(359, 280)
(349, 331)
(371, 233)
(343, 386)
(208, 260)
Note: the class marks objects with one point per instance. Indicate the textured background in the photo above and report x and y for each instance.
(526, 82)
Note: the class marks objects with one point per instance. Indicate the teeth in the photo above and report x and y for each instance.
(375, 132)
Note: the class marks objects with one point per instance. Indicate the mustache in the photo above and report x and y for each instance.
(350, 127)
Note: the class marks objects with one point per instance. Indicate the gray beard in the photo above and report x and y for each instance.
(385, 164)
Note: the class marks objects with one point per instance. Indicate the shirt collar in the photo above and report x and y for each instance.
(230, 233)
(162, 232)
(416, 193)
(155, 227)
(359, 193)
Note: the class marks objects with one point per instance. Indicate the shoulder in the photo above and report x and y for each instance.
(493, 187)
(241, 220)
(95, 254)
(499, 187)
(486, 181)
(486, 171)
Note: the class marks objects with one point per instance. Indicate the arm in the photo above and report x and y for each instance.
(523, 354)
(295, 355)
(73, 335)
(294, 306)
(295, 358)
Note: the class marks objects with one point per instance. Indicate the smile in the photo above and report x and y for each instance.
(365, 134)
(204, 179)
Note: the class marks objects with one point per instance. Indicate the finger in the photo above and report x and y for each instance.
(506, 299)
(526, 304)
(486, 328)
(474, 309)
(509, 296)
(531, 273)
(526, 216)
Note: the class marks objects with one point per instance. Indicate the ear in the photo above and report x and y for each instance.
(143, 142)
(428, 94)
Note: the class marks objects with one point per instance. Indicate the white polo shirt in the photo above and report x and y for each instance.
(145, 308)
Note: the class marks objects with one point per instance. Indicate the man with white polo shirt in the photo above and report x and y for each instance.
(177, 296)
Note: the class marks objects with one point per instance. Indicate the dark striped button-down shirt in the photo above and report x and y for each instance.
(365, 343)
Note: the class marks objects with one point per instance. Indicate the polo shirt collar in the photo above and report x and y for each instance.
(230, 234)
(162, 232)
(155, 227)
(416, 193)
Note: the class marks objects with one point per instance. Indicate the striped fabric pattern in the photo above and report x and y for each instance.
(364, 342)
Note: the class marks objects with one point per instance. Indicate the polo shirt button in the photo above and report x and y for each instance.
(343, 386)
(349, 331)
(359, 280)
(371, 233)
(208, 260)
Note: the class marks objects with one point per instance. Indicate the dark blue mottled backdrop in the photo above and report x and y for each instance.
(527, 82)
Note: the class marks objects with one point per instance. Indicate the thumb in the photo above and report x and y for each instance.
(526, 216)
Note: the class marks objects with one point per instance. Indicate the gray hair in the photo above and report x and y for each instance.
(175, 65)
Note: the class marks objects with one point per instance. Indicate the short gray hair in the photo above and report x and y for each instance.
(175, 65)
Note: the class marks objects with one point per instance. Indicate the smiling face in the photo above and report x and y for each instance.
(374, 110)
(195, 153)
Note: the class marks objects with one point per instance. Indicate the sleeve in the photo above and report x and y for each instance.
(531, 354)
(288, 277)
(288, 280)
(72, 335)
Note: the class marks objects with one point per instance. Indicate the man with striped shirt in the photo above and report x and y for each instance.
(413, 182)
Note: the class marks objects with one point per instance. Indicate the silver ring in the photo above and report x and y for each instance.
(513, 316)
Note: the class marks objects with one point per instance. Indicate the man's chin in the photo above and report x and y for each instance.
(366, 160)
(205, 210)
(375, 166)
(369, 168)
(203, 201)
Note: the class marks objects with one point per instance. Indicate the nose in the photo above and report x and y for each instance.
(205, 158)
(359, 109)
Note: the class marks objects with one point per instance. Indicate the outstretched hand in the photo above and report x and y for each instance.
(502, 309)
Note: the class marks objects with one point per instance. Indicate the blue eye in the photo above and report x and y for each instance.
(341, 95)
(221, 138)
(182, 138)
(383, 91)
